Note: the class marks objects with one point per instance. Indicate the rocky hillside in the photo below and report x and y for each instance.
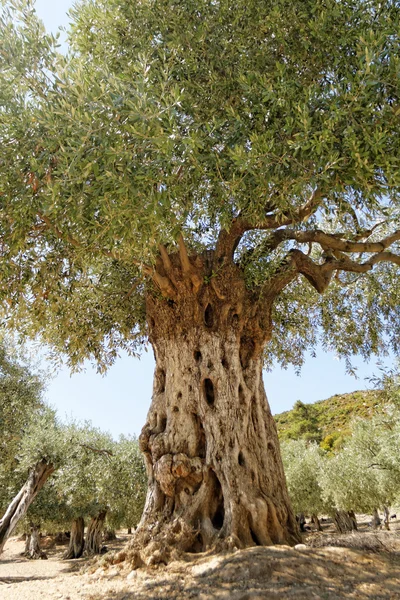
(327, 421)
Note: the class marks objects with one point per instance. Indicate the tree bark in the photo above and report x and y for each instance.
(210, 442)
(94, 534)
(386, 518)
(19, 506)
(76, 540)
(316, 522)
(345, 521)
(33, 549)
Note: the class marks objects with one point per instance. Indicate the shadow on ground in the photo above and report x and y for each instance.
(271, 573)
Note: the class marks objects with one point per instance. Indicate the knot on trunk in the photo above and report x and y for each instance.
(171, 469)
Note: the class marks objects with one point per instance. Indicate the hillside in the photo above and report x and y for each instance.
(327, 421)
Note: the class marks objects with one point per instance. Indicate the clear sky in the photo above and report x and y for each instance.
(119, 401)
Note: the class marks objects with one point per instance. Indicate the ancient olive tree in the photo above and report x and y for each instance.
(222, 180)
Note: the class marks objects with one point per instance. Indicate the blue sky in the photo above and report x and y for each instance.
(119, 401)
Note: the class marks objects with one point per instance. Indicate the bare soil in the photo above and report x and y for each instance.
(368, 568)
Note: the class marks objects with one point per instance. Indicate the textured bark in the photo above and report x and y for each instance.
(76, 540)
(210, 442)
(345, 521)
(32, 548)
(316, 522)
(94, 534)
(386, 517)
(22, 501)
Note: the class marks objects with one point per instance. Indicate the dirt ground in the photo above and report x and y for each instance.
(273, 573)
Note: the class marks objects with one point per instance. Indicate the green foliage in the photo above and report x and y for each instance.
(303, 463)
(177, 116)
(21, 391)
(327, 421)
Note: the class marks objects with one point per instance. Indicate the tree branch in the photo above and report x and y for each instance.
(97, 450)
(229, 240)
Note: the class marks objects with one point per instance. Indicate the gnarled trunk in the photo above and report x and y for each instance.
(210, 441)
(345, 521)
(94, 534)
(76, 540)
(22, 501)
(32, 548)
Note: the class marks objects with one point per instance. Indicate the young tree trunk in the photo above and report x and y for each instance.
(94, 534)
(210, 442)
(34, 550)
(129, 530)
(316, 522)
(376, 521)
(345, 521)
(19, 506)
(386, 517)
(76, 540)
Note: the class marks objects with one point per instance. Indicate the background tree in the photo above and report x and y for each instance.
(222, 180)
(303, 462)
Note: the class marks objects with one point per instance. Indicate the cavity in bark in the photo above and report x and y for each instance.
(209, 392)
(241, 460)
(242, 397)
(197, 356)
(161, 376)
(219, 514)
(209, 316)
(247, 347)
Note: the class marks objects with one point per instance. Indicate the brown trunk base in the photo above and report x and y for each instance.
(94, 534)
(345, 521)
(210, 443)
(76, 540)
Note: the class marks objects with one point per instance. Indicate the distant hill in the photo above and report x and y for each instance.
(327, 421)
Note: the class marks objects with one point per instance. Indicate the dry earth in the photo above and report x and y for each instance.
(256, 573)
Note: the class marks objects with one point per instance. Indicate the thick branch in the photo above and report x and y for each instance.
(329, 241)
(229, 240)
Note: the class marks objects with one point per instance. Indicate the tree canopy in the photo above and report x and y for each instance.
(264, 131)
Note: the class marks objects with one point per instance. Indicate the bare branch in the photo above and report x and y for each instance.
(97, 450)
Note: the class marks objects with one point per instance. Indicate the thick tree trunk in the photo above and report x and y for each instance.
(33, 549)
(76, 540)
(94, 534)
(210, 441)
(22, 501)
(316, 522)
(345, 521)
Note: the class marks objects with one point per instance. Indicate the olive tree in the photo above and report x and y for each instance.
(365, 474)
(220, 179)
(303, 462)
